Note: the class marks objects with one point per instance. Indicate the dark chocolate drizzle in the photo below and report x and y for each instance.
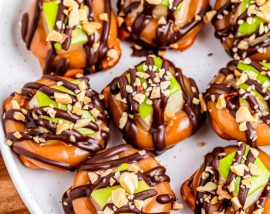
(33, 120)
(165, 33)
(230, 32)
(93, 59)
(212, 160)
(158, 128)
(103, 161)
(232, 95)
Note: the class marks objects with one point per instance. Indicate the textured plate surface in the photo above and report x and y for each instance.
(42, 190)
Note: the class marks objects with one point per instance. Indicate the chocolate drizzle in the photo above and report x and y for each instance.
(211, 162)
(229, 32)
(104, 161)
(165, 33)
(34, 119)
(233, 94)
(158, 127)
(93, 58)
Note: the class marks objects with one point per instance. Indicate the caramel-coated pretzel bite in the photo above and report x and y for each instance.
(232, 180)
(55, 123)
(238, 102)
(120, 180)
(242, 27)
(71, 37)
(154, 105)
(161, 23)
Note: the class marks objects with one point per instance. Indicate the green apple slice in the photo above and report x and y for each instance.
(122, 167)
(101, 196)
(50, 10)
(257, 182)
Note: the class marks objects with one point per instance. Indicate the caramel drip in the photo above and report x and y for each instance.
(33, 121)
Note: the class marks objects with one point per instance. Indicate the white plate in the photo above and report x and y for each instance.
(42, 190)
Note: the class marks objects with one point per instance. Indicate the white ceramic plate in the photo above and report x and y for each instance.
(42, 190)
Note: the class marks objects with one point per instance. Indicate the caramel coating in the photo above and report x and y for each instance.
(55, 150)
(189, 187)
(188, 23)
(76, 55)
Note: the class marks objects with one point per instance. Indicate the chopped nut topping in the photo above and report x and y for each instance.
(243, 78)
(246, 182)
(15, 105)
(243, 115)
(82, 123)
(254, 152)
(119, 197)
(238, 169)
(123, 120)
(103, 16)
(254, 170)
(17, 135)
(208, 187)
(231, 187)
(133, 168)
(195, 101)
(18, 116)
(93, 177)
(209, 16)
(129, 181)
(154, 2)
(243, 126)
(139, 204)
(95, 112)
(112, 181)
(91, 27)
(112, 53)
(8, 142)
(162, 21)
(236, 203)
(155, 93)
(258, 211)
(62, 98)
(62, 127)
(77, 108)
(142, 75)
(177, 206)
(70, 3)
(221, 102)
(55, 36)
(139, 98)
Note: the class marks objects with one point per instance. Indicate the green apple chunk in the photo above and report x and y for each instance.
(167, 3)
(263, 106)
(50, 10)
(257, 182)
(83, 131)
(122, 167)
(246, 28)
(101, 196)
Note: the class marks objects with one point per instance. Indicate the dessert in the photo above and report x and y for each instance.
(158, 24)
(120, 180)
(55, 123)
(243, 28)
(238, 102)
(154, 105)
(234, 179)
(70, 37)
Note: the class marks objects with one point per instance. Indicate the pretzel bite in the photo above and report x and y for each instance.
(238, 102)
(161, 23)
(71, 37)
(232, 180)
(120, 180)
(154, 105)
(242, 27)
(55, 123)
